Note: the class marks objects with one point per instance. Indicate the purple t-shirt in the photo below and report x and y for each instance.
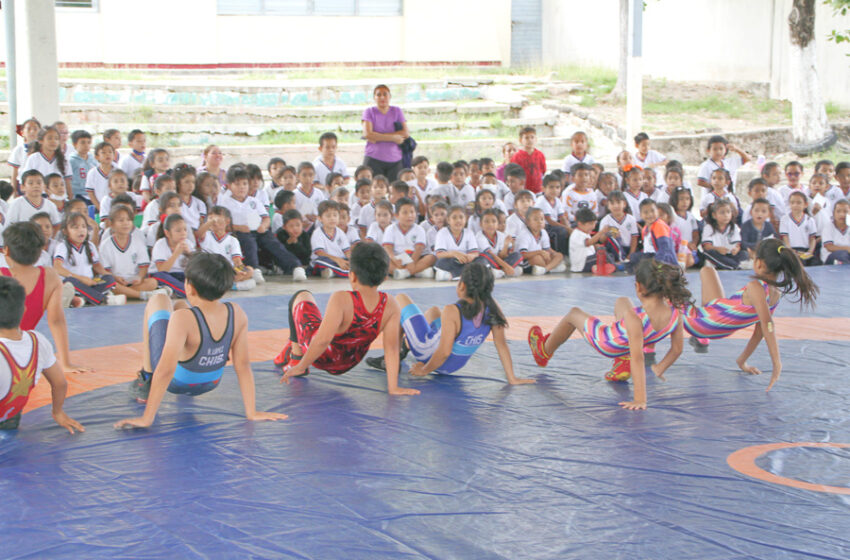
(384, 124)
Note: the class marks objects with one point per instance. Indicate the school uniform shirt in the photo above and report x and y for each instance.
(514, 226)
(18, 157)
(21, 351)
(354, 212)
(131, 161)
(124, 262)
(462, 197)
(247, 212)
(308, 203)
(799, 233)
(834, 194)
(401, 241)
(553, 210)
(687, 226)
(528, 242)
(74, 258)
(375, 233)
(660, 196)
(494, 245)
(193, 212)
(322, 170)
(710, 198)
(271, 189)
(652, 158)
(627, 227)
(572, 159)
(730, 163)
(534, 165)
(366, 216)
(785, 192)
(579, 250)
(277, 222)
(446, 241)
(573, 201)
(499, 190)
(824, 216)
(352, 234)
(46, 258)
(97, 183)
(751, 236)
(21, 210)
(227, 246)
(509, 202)
(836, 234)
(162, 252)
(726, 238)
(262, 197)
(780, 208)
(334, 245)
(150, 216)
(79, 172)
(45, 165)
(106, 205)
(634, 201)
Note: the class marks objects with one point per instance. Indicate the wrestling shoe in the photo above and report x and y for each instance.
(286, 360)
(141, 387)
(11, 423)
(536, 340)
(377, 362)
(700, 344)
(620, 371)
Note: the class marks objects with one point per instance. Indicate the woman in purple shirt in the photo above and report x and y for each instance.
(384, 129)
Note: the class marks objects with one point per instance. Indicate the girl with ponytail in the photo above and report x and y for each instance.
(663, 293)
(444, 340)
(778, 272)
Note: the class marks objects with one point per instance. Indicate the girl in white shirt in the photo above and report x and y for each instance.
(797, 229)
(721, 238)
(455, 246)
(46, 156)
(77, 261)
(29, 131)
(836, 236)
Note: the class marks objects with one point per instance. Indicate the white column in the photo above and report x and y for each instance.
(37, 72)
(634, 72)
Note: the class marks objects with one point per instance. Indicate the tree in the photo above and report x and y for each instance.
(810, 128)
(619, 91)
(839, 7)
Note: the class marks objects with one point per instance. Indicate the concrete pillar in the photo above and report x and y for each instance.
(37, 72)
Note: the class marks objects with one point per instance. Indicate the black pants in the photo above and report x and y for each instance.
(250, 242)
(389, 169)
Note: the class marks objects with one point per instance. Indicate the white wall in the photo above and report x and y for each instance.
(190, 32)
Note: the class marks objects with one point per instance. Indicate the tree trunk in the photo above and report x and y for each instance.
(810, 127)
(619, 91)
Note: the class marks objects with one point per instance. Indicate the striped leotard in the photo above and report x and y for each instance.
(613, 340)
(721, 317)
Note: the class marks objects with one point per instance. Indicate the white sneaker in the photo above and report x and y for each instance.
(258, 276)
(327, 273)
(245, 285)
(145, 296)
(538, 270)
(299, 274)
(427, 273)
(68, 293)
(401, 274)
(747, 265)
(519, 271)
(560, 268)
(498, 273)
(112, 299)
(442, 275)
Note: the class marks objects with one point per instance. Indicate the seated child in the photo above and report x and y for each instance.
(758, 227)
(295, 239)
(170, 254)
(443, 341)
(534, 247)
(125, 256)
(152, 214)
(383, 218)
(97, 180)
(55, 190)
(454, 247)
(437, 213)
(42, 220)
(350, 230)
(719, 157)
(622, 230)
(307, 198)
(22, 208)
(606, 184)
(284, 201)
(798, 229)
(682, 201)
(583, 241)
(580, 194)
(721, 237)
(32, 349)
(406, 244)
(362, 197)
(515, 223)
(557, 224)
(327, 162)
(578, 154)
(330, 246)
(118, 185)
(836, 235)
(720, 185)
(657, 241)
(662, 292)
(218, 241)
(275, 167)
(255, 185)
(644, 156)
(185, 348)
(368, 213)
(339, 341)
(633, 180)
(76, 259)
(207, 188)
(494, 247)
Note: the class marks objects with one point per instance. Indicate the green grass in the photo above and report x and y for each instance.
(715, 105)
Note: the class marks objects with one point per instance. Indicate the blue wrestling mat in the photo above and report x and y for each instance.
(471, 468)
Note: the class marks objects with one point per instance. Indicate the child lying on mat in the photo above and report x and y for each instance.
(185, 348)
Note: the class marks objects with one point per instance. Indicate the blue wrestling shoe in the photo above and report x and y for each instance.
(140, 388)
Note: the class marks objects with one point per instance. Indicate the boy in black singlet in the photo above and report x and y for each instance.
(185, 351)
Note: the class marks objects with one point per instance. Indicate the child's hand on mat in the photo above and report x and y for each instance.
(633, 405)
(67, 422)
(747, 368)
(521, 381)
(139, 422)
(295, 371)
(403, 391)
(74, 368)
(774, 377)
(658, 373)
(260, 416)
(418, 369)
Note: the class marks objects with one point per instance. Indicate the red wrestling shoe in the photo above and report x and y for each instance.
(536, 340)
(621, 370)
(286, 359)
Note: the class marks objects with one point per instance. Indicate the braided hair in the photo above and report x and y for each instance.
(665, 280)
(70, 220)
(791, 275)
(478, 281)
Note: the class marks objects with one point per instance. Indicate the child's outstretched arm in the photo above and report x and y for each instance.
(58, 387)
(392, 338)
(505, 356)
(242, 365)
(59, 326)
(677, 343)
(763, 329)
(634, 330)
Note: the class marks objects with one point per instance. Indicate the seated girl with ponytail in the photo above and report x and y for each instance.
(662, 291)
(778, 271)
(443, 341)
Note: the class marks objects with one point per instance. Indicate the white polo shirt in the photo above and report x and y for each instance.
(124, 262)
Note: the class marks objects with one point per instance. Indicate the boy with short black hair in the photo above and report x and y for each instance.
(275, 167)
(758, 227)
(644, 156)
(307, 198)
(557, 226)
(458, 192)
(185, 349)
(330, 245)
(283, 202)
(32, 201)
(406, 244)
(719, 157)
(515, 181)
(293, 237)
(583, 241)
(97, 180)
(81, 162)
(339, 341)
(136, 158)
(578, 154)
(112, 136)
(532, 160)
(327, 162)
(32, 349)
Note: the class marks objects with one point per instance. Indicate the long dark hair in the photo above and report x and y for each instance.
(478, 281)
(59, 154)
(71, 219)
(712, 221)
(791, 275)
(665, 280)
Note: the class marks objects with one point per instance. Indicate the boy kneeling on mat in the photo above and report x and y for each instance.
(353, 320)
(185, 348)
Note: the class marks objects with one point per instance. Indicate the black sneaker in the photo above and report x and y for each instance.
(11, 423)
(377, 363)
(699, 347)
(140, 388)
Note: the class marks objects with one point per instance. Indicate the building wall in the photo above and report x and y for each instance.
(191, 32)
(709, 40)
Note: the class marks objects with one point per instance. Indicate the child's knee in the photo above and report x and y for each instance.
(303, 295)
(403, 300)
(158, 302)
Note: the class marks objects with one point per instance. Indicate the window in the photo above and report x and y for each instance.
(310, 7)
(89, 4)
